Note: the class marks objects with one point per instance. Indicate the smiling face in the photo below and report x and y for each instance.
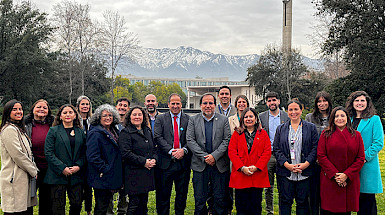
(322, 104)
(224, 96)
(136, 118)
(272, 103)
(16, 113)
(360, 103)
(249, 120)
(208, 106)
(175, 105)
(84, 106)
(106, 119)
(340, 119)
(40, 111)
(68, 116)
(122, 107)
(150, 103)
(241, 105)
(294, 111)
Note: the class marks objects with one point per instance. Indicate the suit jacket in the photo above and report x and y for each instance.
(309, 147)
(196, 141)
(233, 110)
(341, 152)
(59, 155)
(373, 136)
(136, 148)
(259, 156)
(164, 138)
(103, 156)
(264, 117)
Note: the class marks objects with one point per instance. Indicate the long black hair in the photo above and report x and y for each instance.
(6, 119)
(317, 113)
(332, 126)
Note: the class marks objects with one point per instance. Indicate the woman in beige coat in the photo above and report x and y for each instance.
(17, 166)
(241, 103)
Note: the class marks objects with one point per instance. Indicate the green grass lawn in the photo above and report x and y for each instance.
(190, 198)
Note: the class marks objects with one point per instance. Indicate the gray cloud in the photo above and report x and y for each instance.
(228, 27)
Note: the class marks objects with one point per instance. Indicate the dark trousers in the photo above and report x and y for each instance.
(219, 182)
(269, 192)
(180, 177)
(368, 205)
(58, 196)
(45, 203)
(137, 204)
(325, 212)
(122, 204)
(314, 195)
(288, 190)
(87, 197)
(248, 201)
(29, 211)
(102, 200)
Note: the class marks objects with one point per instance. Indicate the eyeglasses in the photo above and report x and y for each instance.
(208, 103)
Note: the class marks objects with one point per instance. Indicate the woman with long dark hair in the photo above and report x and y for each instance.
(241, 103)
(139, 159)
(295, 148)
(362, 112)
(18, 171)
(341, 156)
(64, 151)
(37, 124)
(249, 151)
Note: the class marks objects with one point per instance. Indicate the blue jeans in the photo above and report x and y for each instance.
(219, 182)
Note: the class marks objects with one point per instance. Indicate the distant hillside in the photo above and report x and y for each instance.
(187, 62)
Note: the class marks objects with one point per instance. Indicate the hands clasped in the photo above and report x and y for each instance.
(177, 153)
(150, 163)
(249, 170)
(68, 171)
(341, 179)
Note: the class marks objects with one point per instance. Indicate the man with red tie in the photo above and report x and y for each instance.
(174, 157)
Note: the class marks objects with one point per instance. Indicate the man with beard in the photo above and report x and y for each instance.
(270, 120)
(151, 104)
(122, 106)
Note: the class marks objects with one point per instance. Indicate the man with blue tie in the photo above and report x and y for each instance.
(208, 136)
(174, 158)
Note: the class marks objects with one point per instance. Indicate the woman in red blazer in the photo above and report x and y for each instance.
(250, 151)
(341, 157)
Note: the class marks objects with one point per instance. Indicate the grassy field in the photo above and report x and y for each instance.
(190, 198)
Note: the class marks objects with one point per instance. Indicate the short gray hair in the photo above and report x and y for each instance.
(95, 119)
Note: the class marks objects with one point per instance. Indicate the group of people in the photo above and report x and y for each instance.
(328, 162)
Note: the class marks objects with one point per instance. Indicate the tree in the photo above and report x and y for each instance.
(117, 42)
(24, 62)
(358, 28)
(274, 73)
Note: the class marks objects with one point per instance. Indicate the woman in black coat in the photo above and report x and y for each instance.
(139, 157)
(104, 158)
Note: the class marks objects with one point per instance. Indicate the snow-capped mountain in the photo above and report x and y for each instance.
(187, 62)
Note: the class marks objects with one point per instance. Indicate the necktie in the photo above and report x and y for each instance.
(176, 134)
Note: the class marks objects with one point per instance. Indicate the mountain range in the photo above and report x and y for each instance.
(188, 62)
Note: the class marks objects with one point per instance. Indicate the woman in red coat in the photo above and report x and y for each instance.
(341, 156)
(250, 151)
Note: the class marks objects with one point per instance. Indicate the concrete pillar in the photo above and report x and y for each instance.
(287, 25)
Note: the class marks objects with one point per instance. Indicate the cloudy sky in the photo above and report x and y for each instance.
(226, 27)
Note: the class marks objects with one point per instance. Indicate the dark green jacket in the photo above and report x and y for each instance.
(59, 156)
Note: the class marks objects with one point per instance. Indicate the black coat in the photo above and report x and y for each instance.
(136, 148)
(104, 159)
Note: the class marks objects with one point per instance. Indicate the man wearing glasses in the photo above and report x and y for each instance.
(270, 120)
(208, 136)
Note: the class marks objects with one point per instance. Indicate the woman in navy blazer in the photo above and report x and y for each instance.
(104, 158)
(362, 112)
(295, 148)
(65, 153)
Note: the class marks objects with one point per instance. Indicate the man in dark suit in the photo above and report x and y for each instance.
(208, 135)
(270, 120)
(174, 158)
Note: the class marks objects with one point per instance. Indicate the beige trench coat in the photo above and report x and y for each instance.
(17, 168)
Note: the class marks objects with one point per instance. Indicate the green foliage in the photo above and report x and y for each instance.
(274, 73)
(357, 28)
